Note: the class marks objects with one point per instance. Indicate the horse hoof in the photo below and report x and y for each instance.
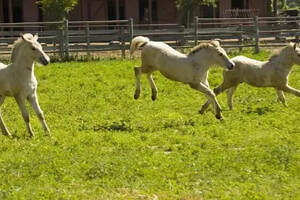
(47, 133)
(219, 117)
(201, 112)
(7, 134)
(136, 96)
(153, 98)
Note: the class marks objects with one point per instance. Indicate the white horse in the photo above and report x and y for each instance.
(190, 69)
(18, 80)
(272, 73)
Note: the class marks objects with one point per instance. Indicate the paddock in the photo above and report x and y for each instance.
(106, 145)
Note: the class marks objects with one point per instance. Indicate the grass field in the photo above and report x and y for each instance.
(106, 145)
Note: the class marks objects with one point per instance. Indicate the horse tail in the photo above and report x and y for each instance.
(137, 42)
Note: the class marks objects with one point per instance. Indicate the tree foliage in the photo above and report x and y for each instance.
(186, 3)
(293, 4)
(56, 10)
(187, 8)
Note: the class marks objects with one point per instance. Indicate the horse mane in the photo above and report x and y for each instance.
(199, 47)
(16, 46)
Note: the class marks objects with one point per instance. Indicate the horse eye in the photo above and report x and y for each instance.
(220, 54)
(33, 49)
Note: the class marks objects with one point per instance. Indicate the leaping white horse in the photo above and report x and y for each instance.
(190, 69)
(18, 80)
(272, 73)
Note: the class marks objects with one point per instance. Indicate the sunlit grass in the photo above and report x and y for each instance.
(106, 145)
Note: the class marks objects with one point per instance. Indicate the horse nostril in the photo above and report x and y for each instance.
(44, 61)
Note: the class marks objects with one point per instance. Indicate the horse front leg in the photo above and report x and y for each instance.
(210, 96)
(217, 91)
(33, 100)
(138, 73)
(2, 124)
(230, 92)
(22, 106)
(153, 86)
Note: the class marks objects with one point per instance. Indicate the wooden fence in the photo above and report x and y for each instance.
(63, 38)
(248, 32)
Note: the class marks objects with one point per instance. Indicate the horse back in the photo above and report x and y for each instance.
(251, 71)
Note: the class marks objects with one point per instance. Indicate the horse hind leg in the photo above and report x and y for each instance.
(2, 124)
(153, 86)
(138, 73)
(280, 97)
(291, 90)
(204, 107)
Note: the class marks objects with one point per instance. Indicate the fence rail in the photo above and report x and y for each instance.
(65, 37)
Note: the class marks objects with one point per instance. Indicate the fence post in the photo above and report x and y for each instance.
(130, 29)
(61, 42)
(66, 38)
(196, 31)
(123, 44)
(87, 32)
(240, 37)
(297, 34)
(256, 28)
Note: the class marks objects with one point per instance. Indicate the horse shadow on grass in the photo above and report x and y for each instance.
(258, 110)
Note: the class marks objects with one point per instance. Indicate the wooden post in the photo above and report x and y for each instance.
(117, 9)
(182, 39)
(54, 47)
(150, 11)
(196, 31)
(10, 14)
(130, 29)
(123, 48)
(297, 34)
(87, 33)
(1, 12)
(66, 38)
(240, 37)
(10, 7)
(256, 29)
(61, 44)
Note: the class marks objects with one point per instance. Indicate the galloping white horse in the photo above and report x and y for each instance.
(272, 73)
(190, 69)
(18, 79)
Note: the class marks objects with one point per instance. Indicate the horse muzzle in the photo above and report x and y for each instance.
(231, 66)
(44, 61)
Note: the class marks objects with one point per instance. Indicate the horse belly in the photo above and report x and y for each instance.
(6, 92)
(258, 80)
(178, 75)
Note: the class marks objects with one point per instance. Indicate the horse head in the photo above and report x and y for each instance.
(220, 55)
(34, 49)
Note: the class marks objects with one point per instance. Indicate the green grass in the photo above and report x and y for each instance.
(106, 145)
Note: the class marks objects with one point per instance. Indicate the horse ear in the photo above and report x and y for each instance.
(216, 43)
(36, 37)
(23, 37)
(295, 45)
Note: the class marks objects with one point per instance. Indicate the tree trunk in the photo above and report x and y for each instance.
(274, 8)
(269, 8)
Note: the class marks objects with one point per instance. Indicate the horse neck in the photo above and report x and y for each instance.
(284, 60)
(201, 58)
(23, 63)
